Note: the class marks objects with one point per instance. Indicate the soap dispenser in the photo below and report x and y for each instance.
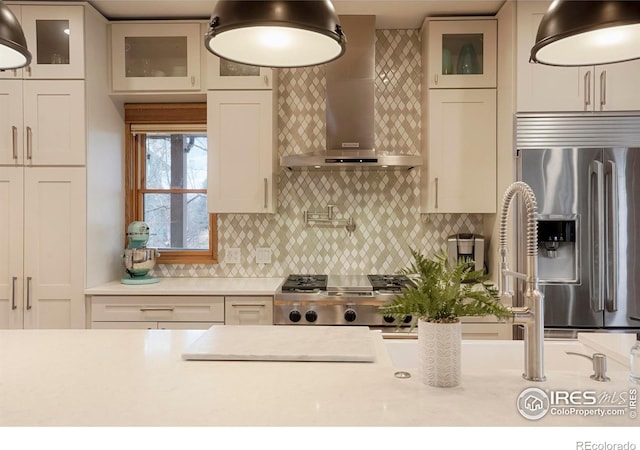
(634, 359)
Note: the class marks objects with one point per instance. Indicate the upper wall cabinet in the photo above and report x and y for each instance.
(462, 53)
(42, 122)
(460, 171)
(224, 74)
(55, 38)
(155, 56)
(611, 87)
(242, 157)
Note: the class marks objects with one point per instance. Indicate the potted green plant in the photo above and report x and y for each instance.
(442, 294)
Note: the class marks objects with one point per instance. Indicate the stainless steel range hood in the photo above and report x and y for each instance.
(350, 97)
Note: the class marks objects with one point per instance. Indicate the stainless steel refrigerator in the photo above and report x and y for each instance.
(585, 173)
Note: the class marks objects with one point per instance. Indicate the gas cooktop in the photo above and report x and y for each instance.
(321, 282)
(312, 299)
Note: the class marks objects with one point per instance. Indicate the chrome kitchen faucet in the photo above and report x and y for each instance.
(531, 315)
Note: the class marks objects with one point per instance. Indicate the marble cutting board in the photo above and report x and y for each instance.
(283, 343)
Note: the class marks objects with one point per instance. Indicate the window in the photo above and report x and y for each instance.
(166, 180)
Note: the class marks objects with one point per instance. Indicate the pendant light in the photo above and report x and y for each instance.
(13, 45)
(275, 33)
(584, 33)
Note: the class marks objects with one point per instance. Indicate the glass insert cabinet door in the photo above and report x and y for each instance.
(462, 53)
(225, 74)
(55, 38)
(157, 56)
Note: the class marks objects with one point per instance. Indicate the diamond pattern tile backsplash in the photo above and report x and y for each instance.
(383, 204)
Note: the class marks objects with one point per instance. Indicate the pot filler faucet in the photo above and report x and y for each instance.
(531, 315)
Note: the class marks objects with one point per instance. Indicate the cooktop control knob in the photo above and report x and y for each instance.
(388, 319)
(349, 315)
(311, 316)
(408, 319)
(295, 316)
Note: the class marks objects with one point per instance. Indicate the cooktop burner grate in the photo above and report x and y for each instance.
(304, 282)
(388, 282)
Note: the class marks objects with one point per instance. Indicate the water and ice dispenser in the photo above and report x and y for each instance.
(557, 251)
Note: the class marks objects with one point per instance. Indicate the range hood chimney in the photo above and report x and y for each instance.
(350, 97)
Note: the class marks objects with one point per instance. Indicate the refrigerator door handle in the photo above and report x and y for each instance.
(596, 235)
(611, 266)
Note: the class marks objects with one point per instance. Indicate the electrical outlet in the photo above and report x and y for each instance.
(232, 255)
(263, 255)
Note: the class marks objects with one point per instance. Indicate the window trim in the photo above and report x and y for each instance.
(172, 114)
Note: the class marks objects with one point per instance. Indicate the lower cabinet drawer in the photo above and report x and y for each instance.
(187, 325)
(153, 325)
(502, 331)
(248, 311)
(124, 325)
(157, 309)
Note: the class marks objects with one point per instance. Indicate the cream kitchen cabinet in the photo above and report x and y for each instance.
(161, 312)
(460, 171)
(42, 240)
(55, 38)
(159, 56)
(611, 87)
(461, 53)
(153, 325)
(42, 122)
(248, 310)
(484, 330)
(11, 123)
(224, 74)
(242, 157)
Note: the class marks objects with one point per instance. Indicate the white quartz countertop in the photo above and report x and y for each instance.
(138, 378)
(615, 345)
(192, 286)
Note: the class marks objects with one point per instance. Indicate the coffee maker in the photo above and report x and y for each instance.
(466, 247)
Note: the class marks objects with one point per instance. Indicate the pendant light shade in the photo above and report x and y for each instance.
(13, 45)
(275, 33)
(584, 33)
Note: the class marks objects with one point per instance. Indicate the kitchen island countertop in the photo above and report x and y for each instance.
(137, 378)
(192, 286)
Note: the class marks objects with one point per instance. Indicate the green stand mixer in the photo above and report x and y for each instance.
(138, 259)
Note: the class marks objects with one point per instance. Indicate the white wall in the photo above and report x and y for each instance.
(105, 143)
(506, 162)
